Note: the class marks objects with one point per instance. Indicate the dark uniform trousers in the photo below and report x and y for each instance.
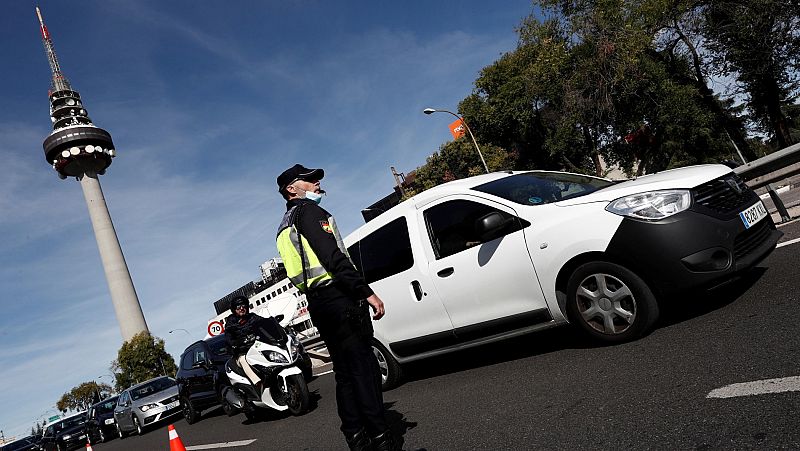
(359, 398)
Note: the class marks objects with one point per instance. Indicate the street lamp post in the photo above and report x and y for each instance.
(434, 110)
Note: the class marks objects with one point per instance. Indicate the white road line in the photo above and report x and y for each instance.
(221, 445)
(786, 243)
(761, 387)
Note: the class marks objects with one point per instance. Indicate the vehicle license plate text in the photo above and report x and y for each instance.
(753, 214)
(171, 405)
(109, 421)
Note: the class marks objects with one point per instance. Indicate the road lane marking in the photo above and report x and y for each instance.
(786, 243)
(221, 445)
(761, 387)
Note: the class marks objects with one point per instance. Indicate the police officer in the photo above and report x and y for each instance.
(339, 299)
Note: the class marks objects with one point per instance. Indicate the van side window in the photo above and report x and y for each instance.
(384, 252)
(451, 225)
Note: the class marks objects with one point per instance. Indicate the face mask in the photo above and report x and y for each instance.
(314, 197)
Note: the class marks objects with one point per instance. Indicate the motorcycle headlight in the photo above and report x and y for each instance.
(147, 407)
(276, 357)
(66, 437)
(652, 205)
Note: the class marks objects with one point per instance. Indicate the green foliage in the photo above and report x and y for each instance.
(459, 159)
(626, 82)
(83, 396)
(141, 358)
(758, 43)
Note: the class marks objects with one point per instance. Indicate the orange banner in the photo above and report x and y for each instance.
(458, 129)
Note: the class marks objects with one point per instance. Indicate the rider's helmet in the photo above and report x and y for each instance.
(237, 301)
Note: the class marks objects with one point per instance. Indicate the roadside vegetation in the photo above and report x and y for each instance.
(644, 85)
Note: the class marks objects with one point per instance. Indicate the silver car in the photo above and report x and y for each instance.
(146, 403)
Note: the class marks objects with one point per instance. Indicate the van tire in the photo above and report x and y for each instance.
(389, 369)
(610, 303)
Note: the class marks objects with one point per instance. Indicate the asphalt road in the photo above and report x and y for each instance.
(553, 390)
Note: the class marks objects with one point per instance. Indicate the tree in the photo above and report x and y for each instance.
(140, 358)
(758, 42)
(80, 398)
(459, 159)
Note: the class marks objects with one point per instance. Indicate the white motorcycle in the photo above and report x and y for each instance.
(281, 362)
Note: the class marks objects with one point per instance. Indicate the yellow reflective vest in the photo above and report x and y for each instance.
(302, 265)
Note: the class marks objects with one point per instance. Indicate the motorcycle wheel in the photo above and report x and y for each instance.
(120, 433)
(298, 397)
(227, 407)
(102, 436)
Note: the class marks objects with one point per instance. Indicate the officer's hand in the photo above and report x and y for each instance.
(377, 306)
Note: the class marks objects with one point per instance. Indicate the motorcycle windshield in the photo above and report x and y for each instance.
(270, 332)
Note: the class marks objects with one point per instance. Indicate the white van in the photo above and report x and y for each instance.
(498, 255)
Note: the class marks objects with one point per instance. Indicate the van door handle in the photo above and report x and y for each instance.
(446, 272)
(417, 290)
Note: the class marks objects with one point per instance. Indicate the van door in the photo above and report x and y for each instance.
(395, 267)
(487, 287)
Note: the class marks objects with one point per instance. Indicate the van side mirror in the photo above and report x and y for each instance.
(492, 225)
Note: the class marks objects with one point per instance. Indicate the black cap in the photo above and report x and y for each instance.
(298, 172)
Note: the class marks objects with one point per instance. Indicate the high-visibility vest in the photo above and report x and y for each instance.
(298, 255)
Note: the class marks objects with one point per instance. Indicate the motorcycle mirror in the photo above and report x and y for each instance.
(279, 317)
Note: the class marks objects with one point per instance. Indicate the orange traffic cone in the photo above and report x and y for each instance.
(89, 446)
(175, 443)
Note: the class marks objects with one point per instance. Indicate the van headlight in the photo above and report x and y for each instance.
(652, 205)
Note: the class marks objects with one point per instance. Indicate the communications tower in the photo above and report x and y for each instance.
(77, 148)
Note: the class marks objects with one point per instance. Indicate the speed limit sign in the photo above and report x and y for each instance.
(215, 328)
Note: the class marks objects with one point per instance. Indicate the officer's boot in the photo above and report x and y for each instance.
(359, 441)
(385, 442)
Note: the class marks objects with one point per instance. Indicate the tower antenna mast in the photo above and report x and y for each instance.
(77, 148)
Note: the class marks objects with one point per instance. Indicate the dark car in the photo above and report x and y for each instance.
(201, 375)
(65, 434)
(23, 444)
(100, 424)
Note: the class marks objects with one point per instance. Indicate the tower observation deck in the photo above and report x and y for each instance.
(77, 148)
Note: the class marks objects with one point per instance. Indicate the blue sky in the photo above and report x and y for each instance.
(207, 103)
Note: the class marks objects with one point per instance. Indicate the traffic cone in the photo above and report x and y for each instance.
(89, 446)
(175, 443)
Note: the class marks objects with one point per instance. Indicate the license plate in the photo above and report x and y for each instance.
(172, 405)
(109, 421)
(753, 214)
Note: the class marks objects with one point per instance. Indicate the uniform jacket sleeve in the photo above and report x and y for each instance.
(310, 224)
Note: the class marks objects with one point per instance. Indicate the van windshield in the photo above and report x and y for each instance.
(538, 188)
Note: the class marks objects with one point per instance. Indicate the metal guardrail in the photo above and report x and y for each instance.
(770, 169)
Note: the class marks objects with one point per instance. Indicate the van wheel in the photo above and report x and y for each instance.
(388, 367)
(189, 412)
(610, 303)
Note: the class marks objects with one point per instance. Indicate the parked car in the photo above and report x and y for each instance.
(497, 255)
(65, 434)
(146, 403)
(100, 424)
(22, 444)
(200, 375)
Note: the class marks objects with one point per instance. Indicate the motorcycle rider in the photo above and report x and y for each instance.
(240, 327)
